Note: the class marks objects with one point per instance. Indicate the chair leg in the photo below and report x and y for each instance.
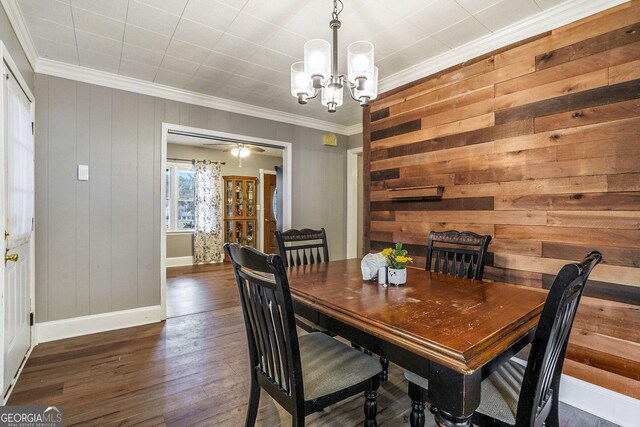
(297, 420)
(418, 396)
(371, 403)
(384, 374)
(553, 419)
(254, 401)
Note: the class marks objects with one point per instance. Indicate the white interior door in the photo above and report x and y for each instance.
(19, 203)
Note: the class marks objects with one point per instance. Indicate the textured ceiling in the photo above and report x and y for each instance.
(242, 49)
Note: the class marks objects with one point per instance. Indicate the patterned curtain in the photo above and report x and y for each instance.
(208, 239)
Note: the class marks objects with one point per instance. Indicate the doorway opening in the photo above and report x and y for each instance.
(240, 164)
(355, 218)
(268, 215)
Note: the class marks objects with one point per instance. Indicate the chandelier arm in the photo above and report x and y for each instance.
(315, 94)
(345, 81)
(352, 92)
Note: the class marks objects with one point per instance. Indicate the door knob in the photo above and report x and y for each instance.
(12, 257)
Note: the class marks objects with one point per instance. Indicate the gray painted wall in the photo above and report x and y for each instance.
(354, 141)
(97, 242)
(8, 37)
(181, 244)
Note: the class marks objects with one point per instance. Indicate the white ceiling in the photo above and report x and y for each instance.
(242, 49)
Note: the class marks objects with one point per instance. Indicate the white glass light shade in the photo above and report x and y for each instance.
(300, 82)
(359, 60)
(370, 87)
(235, 151)
(244, 152)
(331, 95)
(317, 58)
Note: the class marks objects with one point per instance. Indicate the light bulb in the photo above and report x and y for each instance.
(360, 63)
(331, 95)
(301, 80)
(360, 60)
(235, 151)
(244, 152)
(316, 61)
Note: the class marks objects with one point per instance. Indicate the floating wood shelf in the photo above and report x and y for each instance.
(429, 192)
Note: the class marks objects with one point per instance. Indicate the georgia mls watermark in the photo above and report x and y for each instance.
(31, 416)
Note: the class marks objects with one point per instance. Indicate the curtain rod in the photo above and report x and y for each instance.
(192, 161)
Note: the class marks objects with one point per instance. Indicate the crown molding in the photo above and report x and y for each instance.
(115, 81)
(20, 27)
(547, 20)
(354, 129)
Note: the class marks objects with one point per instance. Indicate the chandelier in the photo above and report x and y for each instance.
(318, 74)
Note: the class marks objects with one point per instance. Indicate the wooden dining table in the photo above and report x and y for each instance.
(454, 332)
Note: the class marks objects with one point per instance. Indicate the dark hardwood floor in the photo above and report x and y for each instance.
(190, 370)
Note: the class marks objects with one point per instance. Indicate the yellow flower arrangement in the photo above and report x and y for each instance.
(397, 256)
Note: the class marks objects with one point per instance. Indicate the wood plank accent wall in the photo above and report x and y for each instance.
(538, 145)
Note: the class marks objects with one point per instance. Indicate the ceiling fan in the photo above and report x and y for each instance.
(241, 150)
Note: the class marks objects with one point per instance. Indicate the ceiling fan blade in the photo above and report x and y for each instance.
(256, 149)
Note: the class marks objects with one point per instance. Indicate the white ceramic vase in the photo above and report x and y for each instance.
(397, 276)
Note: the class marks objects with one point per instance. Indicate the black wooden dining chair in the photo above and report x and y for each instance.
(458, 254)
(527, 396)
(303, 374)
(302, 247)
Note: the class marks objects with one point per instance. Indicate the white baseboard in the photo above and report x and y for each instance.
(84, 325)
(599, 401)
(179, 261)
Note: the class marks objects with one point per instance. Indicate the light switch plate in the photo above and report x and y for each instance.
(83, 172)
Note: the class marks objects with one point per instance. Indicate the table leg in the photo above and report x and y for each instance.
(456, 396)
(447, 420)
(418, 396)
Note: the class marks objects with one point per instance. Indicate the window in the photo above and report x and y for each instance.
(179, 197)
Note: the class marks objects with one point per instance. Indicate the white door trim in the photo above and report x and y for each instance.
(352, 202)
(7, 65)
(287, 164)
(262, 173)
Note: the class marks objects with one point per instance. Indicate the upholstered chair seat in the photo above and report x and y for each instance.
(329, 366)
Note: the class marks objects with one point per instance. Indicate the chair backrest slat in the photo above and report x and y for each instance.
(451, 256)
(269, 320)
(266, 321)
(541, 380)
(306, 241)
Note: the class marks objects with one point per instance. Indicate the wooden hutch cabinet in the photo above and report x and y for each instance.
(240, 210)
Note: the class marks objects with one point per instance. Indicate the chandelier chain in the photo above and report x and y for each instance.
(336, 11)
